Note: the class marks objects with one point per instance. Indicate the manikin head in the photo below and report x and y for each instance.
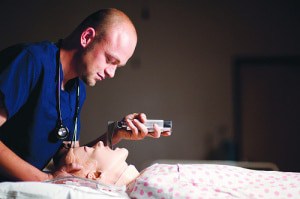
(104, 41)
(101, 163)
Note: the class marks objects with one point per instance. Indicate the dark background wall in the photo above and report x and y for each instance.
(181, 69)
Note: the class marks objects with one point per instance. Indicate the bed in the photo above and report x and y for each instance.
(62, 188)
(170, 181)
(214, 181)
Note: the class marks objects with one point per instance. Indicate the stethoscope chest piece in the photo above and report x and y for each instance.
(62, 132)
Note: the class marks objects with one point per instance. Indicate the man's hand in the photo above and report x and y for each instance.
(138, 130)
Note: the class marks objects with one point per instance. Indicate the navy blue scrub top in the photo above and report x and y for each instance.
(28, 85)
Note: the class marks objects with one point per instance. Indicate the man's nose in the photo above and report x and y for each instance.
(111, 70)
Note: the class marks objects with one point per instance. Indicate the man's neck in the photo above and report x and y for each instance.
(66, 58)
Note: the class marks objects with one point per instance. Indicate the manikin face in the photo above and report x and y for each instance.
(104, 57)
(99, 162)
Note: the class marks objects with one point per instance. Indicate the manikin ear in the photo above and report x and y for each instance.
(87, 36)
(94, 175)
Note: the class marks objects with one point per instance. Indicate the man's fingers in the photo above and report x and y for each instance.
(166, 133)
(156, 133)
(132, 116)
(132, 127)
(141, 127)
(143, 117)
(138, 130)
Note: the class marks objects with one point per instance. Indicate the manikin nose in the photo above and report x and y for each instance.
(99, 144)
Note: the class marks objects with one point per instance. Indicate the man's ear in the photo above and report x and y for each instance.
(94, 175)
(87, 36)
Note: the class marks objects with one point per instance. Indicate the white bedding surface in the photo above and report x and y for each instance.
(172, 181)
(209, 181)
(42, 190)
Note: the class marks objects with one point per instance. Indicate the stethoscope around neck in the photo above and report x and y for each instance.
(62, 132)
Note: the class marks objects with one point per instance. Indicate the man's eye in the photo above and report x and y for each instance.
(114, 62)
(108, 59)
(111, 60)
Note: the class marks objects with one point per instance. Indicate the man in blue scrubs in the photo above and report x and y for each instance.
(42, 90)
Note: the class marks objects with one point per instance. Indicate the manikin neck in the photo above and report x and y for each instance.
(128, 175)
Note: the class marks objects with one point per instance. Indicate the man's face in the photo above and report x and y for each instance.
(102, 59)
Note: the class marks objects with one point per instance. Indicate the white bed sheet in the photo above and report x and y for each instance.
(213, 181)
(42, 190)
(172, 181)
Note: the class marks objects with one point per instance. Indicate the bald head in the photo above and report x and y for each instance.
(105, 20)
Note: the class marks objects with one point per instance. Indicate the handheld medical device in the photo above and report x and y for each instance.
(113, 126)
(164, 125)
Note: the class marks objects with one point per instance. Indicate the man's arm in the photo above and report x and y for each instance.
(3, 112)
(14, 168)
(11, 165)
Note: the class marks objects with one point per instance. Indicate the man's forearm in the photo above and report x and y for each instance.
(15, 168)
